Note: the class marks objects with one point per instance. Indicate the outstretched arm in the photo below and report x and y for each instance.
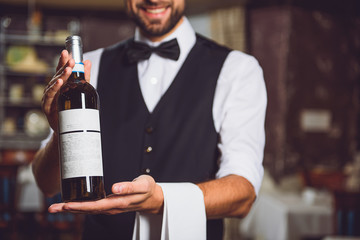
(225, 197)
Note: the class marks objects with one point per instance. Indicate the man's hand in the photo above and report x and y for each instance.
(142, 194)
(63, 71)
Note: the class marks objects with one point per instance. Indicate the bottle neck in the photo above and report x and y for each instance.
(73, 45)
(78, 73)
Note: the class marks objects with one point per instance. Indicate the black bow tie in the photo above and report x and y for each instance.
(140, 51)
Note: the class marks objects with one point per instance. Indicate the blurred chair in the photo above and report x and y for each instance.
(9, 217)
(347, 213)
(59, 225)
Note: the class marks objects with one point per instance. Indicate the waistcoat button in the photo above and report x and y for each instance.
(148, 149)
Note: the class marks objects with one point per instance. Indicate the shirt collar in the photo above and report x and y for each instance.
(184, 34)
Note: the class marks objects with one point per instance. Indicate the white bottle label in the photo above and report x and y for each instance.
(80, 143)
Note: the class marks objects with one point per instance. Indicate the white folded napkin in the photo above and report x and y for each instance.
(184, 215)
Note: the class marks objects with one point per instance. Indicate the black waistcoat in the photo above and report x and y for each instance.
(177, 142)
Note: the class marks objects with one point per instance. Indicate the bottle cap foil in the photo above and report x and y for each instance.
(73, 45)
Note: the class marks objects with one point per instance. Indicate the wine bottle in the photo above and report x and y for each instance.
(79, 133)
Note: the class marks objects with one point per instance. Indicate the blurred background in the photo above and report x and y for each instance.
(310, 53)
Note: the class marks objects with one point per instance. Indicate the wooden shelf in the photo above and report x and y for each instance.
(21, 38)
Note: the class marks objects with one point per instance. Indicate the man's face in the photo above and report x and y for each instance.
(156, 17)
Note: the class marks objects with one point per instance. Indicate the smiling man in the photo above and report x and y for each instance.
(182, 122)
(156, 19)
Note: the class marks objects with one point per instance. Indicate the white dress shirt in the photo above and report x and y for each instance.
(238, 108)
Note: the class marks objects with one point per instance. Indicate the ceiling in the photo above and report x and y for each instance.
(192, 5)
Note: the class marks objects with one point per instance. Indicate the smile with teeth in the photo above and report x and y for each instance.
(155, 11)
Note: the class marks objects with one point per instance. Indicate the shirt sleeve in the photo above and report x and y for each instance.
(239, 116)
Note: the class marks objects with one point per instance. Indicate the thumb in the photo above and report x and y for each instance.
(87, 66)
(141, 184)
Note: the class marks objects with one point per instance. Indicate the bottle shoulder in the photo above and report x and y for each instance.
(77, 95)
(78, 86)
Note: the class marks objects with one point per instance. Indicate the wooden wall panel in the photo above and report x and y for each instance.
(311, 67)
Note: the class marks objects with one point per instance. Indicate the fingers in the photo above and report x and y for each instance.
(93, 207)
(48, 102)
(54, 86)
(63, 61)
(64, 58)
(64, 68)
(110, 205)
(54, 208)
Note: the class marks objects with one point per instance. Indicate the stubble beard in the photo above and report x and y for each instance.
(154, 28)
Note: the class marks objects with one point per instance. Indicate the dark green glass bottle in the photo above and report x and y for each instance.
(79, 133)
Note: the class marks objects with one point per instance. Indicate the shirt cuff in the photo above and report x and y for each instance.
(184, 215)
